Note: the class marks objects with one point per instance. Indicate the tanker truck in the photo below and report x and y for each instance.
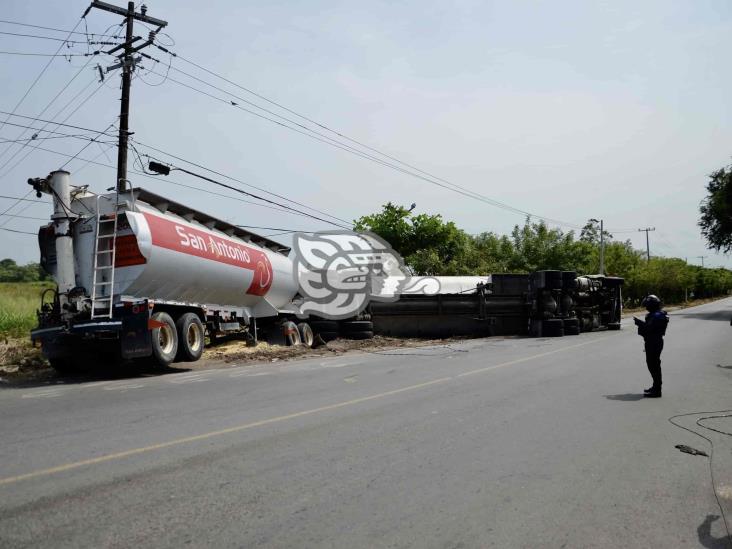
(142, 276)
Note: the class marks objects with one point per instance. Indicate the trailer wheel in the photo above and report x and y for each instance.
(571, 326)
(190, 337)
(164, 340)
(554, 327)
(291, 333)
(306, 334)
(359, 335)
(352, 326)
(320, 326)
(63, 366)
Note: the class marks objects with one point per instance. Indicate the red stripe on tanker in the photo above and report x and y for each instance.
(192, 241)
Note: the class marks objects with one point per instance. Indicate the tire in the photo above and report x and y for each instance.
(552, 328)
(320, 326)
(359, 335)
(553, 280)
(613, 326)
(164, 340)
(568, 280)
(356, 326)
(291, 333)
(328, 336)
(63, 366)
(191, 336)
(306, 334)
(571, 326)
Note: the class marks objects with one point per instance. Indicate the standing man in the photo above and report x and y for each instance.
(652, 329)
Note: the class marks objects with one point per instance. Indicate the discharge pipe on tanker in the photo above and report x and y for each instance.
(60, 187)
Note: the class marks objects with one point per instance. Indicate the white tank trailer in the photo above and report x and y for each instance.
(142, 276)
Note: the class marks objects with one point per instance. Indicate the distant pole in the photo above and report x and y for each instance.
(702, 259)
(648, 245)
(602, 248)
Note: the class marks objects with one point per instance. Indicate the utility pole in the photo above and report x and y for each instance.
(648, 246)
(127, 63)
(702, 259)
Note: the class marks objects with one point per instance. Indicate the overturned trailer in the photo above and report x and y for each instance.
(540, 304)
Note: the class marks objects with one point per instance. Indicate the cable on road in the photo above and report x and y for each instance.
(709, 415)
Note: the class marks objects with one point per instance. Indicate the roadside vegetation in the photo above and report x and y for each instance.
(433, 246)
(18, 304)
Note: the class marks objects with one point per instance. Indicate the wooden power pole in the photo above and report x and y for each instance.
(127, 63)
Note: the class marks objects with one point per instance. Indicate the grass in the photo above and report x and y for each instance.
(18, 304)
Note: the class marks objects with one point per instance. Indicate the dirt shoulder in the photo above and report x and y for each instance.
(21, 363)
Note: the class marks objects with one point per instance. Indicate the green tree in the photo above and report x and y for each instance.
(716, 211)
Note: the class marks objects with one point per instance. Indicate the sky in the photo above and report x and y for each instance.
(569, 110)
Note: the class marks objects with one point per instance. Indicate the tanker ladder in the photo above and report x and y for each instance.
(105, 248)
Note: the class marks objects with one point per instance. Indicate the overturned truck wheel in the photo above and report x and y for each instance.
(553, 327)
(571, 326)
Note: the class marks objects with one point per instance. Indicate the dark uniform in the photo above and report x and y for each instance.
(652, 330)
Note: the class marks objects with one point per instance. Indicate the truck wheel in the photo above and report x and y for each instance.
(164, 340)
(571, 326)
(613, 326)
(359, 335)
(554, 327)
(306, 334)
(291, 333)
(320, 326)
(63, 366)
(352, 326)
(190, 337)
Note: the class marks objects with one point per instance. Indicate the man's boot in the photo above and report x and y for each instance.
(653, 393)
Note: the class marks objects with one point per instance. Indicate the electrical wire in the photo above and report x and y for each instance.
(40, 75)
(173, 182)
(83, 102)
(17, 231)
(246, 193)
(18, 23)
(429, 177)
(352, 150)
(38, 119)
(65, 41)
(94, 140)
(48, 105)
(230, 178)
(711, 452)
(23, 199)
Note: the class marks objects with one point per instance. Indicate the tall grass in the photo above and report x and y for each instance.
(18, 304)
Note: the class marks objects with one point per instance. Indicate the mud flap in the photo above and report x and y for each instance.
(135, 339)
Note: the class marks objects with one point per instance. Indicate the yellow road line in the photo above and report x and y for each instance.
(244, 427)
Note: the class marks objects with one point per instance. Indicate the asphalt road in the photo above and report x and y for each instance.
(487, 443)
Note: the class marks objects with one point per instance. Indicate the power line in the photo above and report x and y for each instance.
(16, 231)
(23, 199)
(18, 23)
(230, 178)
(172, 182)
(83, 102)
(246, 193)
(430, 177)
(40, 75)
(38, 119)
(65, 41)
(48, 105)
(33, 54)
